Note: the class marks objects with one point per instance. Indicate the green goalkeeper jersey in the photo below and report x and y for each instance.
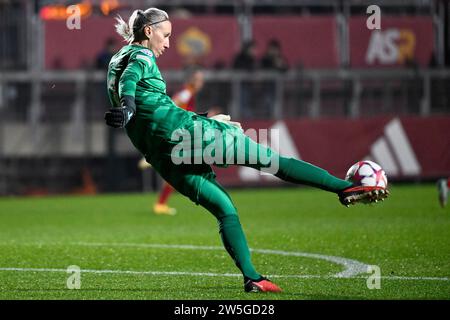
(133, 72)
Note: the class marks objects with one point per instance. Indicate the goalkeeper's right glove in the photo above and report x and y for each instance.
(119, 117)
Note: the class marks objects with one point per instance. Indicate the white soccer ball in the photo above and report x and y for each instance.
(367, 173)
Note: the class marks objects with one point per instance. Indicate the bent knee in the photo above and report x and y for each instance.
(229, 220)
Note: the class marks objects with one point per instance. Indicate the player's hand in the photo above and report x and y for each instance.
(225, 118)
(143, 164)
(118, 117)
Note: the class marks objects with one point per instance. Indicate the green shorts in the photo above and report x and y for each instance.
(184, 160)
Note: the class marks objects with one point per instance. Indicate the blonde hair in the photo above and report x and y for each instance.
(133, 30)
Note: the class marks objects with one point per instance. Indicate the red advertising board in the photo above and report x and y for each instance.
(210, 40)
(207, 40)
(310, 42)
(406, 147)
(307, 41)
(400, 41)
(77, 48)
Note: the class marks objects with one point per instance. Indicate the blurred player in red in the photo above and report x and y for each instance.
(443, 186)
(185, 99)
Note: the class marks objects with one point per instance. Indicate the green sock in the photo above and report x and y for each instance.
(302, 172)
(216, 200)
(234, 241)
(290, 169)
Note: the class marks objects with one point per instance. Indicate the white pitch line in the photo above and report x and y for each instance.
(210, 274)
(153, 273)
(351, 267)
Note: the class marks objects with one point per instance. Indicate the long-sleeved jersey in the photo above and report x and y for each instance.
(133, 72)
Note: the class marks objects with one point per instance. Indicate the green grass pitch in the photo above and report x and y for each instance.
(126, 252)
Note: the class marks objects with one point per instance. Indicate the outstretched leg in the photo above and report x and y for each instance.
(261, 157)
(224, 144)
(289, 169)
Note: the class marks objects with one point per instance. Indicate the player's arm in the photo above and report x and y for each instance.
(119, 117)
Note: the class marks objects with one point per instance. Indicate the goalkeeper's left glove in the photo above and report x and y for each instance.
(226, 119)
(119, 117)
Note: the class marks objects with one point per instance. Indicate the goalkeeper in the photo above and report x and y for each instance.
(155, 124)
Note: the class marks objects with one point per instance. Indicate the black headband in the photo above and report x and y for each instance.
(149, 23)
(165, 19)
